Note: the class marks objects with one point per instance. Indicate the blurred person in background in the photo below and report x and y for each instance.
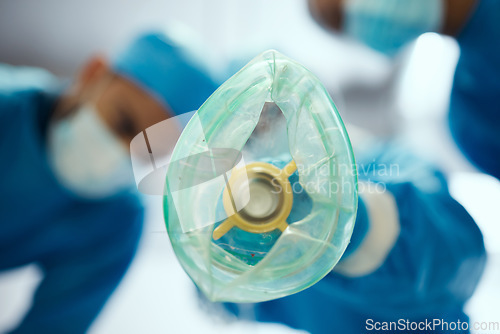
(67, 197)
(388, 25)
(415, 254)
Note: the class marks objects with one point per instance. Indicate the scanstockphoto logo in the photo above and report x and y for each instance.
(337, 178)
(432, 325)
(151, 152)
(200, 173)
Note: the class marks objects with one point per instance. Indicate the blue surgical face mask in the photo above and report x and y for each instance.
(386, 25)
(86, 157)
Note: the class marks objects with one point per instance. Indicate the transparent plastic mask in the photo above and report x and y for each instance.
(261, 192)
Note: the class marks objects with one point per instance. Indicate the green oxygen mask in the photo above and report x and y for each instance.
(261, 196)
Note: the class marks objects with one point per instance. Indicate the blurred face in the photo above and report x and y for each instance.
(89, 137)
(330, 14)
(383, 25)
(124, 107)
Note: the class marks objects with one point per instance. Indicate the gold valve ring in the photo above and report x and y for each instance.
(277, 178)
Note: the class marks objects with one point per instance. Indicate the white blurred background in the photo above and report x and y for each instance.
(407, 98)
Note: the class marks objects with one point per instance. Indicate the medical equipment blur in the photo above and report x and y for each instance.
(261, 190)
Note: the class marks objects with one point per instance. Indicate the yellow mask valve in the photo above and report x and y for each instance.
(267, 193)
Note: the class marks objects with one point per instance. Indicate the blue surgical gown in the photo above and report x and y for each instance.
(429, 273)
(474, 115)
(82, 246)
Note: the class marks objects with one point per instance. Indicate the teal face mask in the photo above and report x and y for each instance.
(386, 25)
(261, 192)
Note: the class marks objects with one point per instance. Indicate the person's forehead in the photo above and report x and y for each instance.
(139, 101)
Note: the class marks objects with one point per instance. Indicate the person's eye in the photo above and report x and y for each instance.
(125, 125)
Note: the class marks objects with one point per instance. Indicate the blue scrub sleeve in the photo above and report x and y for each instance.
(474, 116)
(76, 286)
